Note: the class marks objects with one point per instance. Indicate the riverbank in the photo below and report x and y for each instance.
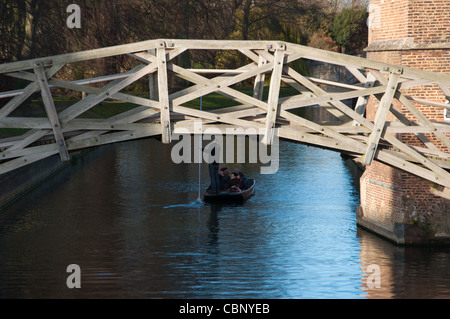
(13, 185)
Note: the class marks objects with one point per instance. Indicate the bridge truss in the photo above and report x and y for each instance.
(63, 130)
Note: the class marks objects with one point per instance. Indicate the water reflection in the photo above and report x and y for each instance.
(130, 219)
(406, 272)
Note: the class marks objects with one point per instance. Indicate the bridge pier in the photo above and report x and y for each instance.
(396, 204)
(403, 208)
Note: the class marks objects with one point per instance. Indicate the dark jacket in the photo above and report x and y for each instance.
(245, 183)
(223, 181)
(212, 149)
(233, 182)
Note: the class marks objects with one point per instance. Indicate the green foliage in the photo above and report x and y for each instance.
(34, 28)
(350, 30)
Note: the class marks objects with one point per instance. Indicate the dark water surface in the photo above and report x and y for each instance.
(128, 216)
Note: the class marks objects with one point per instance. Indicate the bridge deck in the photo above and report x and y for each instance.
(165, 112)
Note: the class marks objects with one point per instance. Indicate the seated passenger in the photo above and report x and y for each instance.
(224, 177)
(244, 182)
(233, 183)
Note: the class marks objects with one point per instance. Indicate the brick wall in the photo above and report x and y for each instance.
(426, 21)
(412, 33)
(389, 19)
(429, 20)
(380, 193)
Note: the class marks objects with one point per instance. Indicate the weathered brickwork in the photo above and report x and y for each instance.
(389, 20)
(380, 193)
(426, 21)
(412, 33)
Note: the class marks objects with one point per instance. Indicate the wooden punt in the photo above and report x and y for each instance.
(226, 196)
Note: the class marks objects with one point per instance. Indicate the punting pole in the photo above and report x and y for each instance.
(199, 156)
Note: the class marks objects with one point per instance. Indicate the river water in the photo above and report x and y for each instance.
(128, 217)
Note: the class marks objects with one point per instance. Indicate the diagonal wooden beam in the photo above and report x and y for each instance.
(51, 111)
(18, 100)
(274, 92)
(340, 139)
(357, 74)
(322, 98)
(219, 85)
(163, 93)
(226, 91)
(202, 81)
(224, 118)
(109, 90)
(440, 174)
(25, 160)
(380, 118)
(318, 92)
(390, 158)
(222, 83)
(26, 93)
(28, 138)
(97, 91)
(412, 168)
(421, 119)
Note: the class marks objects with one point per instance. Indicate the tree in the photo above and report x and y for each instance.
(13, 23)
(350, 30)
(268, 19)
(321, 40)
(35, 28)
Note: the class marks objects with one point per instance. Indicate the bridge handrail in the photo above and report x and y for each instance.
(304, 51)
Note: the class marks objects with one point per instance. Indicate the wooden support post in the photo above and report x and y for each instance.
(258, 87)
(380, 118)
(361, 103)
(274, 91)
(153, 81)
(163, 93)
(51, 111)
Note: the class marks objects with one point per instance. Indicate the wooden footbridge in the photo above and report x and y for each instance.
(61, 131)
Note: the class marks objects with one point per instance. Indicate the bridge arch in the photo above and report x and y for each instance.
(61, 131)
